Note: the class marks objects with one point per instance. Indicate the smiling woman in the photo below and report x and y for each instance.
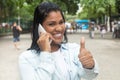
(58, 60)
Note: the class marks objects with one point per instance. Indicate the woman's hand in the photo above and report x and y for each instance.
(44, 42)
(85, 56)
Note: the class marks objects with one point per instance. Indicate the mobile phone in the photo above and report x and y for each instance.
(41, 29)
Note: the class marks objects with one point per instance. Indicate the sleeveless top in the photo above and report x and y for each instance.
(16, 32)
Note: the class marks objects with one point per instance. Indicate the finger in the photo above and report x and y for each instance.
(82, 43)
(88, 64)
(82, 53)
(50, 36)
(85, 58)
(44, 37)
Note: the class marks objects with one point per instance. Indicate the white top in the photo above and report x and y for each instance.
(63, 64)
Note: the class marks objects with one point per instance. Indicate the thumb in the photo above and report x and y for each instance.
(82, 43)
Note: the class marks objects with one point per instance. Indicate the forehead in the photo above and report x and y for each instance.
(54, 15)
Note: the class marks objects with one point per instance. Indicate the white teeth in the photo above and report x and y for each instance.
(57, 35)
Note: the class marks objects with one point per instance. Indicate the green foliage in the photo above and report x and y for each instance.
(97, 8)
(71, 6)
(117, 3)
(83, 15)
(25, 8)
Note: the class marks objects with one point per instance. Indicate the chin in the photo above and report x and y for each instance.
(58, 41)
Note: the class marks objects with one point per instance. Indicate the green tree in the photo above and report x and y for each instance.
(71, 5)
(23, 9)
(98, 8)
(6, 9)
(117, 3)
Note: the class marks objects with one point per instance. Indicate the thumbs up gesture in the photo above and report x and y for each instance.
(85, 57)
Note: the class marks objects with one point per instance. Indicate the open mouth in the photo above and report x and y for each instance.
(59, 35)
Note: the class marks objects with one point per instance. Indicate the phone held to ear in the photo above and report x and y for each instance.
(41, 29)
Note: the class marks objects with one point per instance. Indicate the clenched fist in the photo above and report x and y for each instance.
(85, 57)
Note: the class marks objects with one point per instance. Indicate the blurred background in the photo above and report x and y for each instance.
(97, 11)
(79, 15)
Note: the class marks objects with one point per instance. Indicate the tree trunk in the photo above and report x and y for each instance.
(109, 9)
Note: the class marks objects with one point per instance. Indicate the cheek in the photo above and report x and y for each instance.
(64, 28)
(49, 29)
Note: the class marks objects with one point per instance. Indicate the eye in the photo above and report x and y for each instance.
(61, 22)
(51, 24)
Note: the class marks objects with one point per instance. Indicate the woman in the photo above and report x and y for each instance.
(56, 60)
(16, 29)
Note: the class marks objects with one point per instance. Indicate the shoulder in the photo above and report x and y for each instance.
(27, 54)
(29, 57)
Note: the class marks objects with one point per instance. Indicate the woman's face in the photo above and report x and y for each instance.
(54, 24)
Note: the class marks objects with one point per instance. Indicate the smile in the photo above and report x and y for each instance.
(58, 35)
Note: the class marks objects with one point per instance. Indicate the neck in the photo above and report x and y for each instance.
(54, 47)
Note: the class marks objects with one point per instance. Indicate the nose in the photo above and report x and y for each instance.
(60, 27)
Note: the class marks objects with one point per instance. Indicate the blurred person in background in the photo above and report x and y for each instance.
(91, 29)
(103, 30)
(16, 29)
